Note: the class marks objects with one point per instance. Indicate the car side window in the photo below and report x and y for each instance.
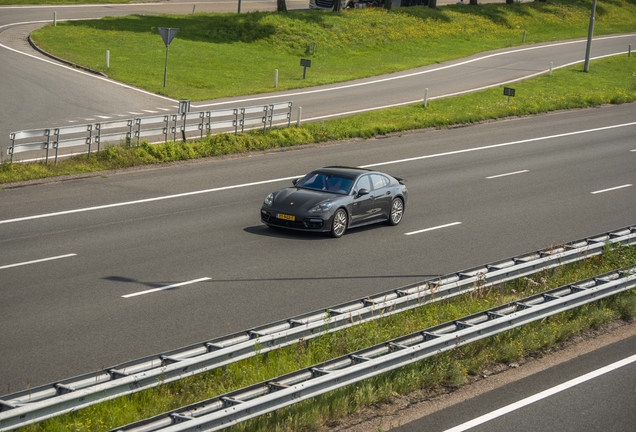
(363, 183)
(379, 181)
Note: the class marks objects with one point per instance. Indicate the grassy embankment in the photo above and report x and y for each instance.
(215, 55)
(452, 368)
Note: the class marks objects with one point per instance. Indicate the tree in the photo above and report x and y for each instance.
(281, 6)
(337, 5)
(432, 4)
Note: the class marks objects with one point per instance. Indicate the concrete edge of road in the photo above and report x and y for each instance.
(66, 62)
(404, 409)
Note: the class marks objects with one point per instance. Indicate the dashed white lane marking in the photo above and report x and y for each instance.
(433, 228)
(166, 287)
(103, 117)
(150, 111)
(611, 189)
(166, 197)
(36, 261)
(544, 394)
(507, 174)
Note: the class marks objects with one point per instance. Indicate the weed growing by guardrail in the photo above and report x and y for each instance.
(451, 368)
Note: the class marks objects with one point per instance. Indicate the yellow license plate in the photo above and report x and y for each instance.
(286, 217)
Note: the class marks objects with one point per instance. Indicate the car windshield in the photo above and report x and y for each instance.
(326, 182)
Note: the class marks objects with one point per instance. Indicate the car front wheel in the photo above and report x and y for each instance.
(339, 224)
(397, 211)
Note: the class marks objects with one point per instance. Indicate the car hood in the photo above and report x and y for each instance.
(295, 200)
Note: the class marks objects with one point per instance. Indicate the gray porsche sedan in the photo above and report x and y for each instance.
(333, 199)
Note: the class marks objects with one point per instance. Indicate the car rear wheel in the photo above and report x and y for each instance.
(339, 224)
(397, 211)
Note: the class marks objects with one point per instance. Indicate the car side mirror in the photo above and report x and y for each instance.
(362, 192)
(294, 181)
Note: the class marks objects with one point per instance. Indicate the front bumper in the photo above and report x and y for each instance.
(302, 223)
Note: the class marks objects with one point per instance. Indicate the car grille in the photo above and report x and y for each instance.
(304, 224)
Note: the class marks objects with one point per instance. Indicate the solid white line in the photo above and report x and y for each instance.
(411, 74)
(544, 394)
(160, 198)
(165, 287)
(507, 174)
(147, 200)
(36, 261)
(499, 145)
(611, 189)
(433, 228)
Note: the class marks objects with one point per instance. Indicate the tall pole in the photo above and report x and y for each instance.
(165, 70)
(590, 33)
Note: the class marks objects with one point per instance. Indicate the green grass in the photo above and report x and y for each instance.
(609, 81)
(219, 55)
(450, 369)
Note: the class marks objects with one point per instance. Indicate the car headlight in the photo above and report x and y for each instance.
(322, 207)
(269, 200)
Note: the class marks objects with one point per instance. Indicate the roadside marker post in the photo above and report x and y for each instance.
(305, 63)
(509, 92)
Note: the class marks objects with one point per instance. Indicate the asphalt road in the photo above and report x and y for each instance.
(43, 93)
(139, 229)
(164, 226)
(602, 403)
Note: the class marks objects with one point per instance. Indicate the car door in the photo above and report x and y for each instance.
(362, 207)
(381, 196)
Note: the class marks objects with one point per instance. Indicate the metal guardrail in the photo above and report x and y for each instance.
(229, 409)
(39, 403)
(160, 127)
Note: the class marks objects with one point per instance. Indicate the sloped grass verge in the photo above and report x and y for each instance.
(452, 368)
(220, 55)
(609, 81)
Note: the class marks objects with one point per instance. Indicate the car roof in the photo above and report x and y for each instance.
(343, 171)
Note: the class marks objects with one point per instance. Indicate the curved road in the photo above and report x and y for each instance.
(44, 93)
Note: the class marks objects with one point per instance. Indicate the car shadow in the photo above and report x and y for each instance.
(264, 230)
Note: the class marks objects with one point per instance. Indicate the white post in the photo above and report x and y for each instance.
(425, 97)
(629, 51)
(54, 19)
(193, 8)
(524, 36)
(107, 58)
(275, 78)
(551, 64)
(300, 112)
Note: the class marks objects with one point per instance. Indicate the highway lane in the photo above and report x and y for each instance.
(605, 402)
(67, 316)
(47, 94)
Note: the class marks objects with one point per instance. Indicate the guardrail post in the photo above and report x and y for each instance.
(202, 122)
(166, 120)
(89, 140)
(56, 142)
(129, 133)
(138, 130)
(10, 149)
